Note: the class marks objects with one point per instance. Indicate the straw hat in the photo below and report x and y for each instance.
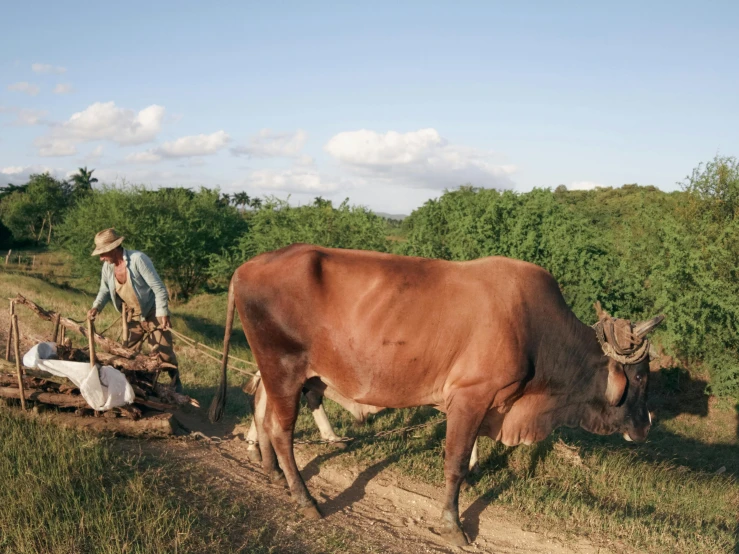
(105, 241)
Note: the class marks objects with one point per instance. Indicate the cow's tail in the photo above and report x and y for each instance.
(219, 400)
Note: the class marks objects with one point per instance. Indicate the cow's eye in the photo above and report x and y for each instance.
(638, 377)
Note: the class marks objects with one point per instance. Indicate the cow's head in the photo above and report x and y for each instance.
(627, 348)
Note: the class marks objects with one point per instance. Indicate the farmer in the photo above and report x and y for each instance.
(128, 277)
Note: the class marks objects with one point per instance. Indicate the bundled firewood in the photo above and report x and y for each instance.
(142, 372)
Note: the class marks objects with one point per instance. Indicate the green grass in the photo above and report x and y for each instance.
(662, 496)
(66, 491)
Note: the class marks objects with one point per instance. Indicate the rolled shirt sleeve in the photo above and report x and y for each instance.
(161, 299)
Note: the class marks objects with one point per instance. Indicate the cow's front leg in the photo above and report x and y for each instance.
(461, 433)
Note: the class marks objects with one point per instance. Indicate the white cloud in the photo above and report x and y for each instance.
(302, 177)
(63, 88)
(584, 185)
(95, 154)
(417, 159)
(19, 175)
(184, 147)
(55, 147)
(102, 121)
(24, 116)
(289, 180)
(48, 68)
(268, 144)
(25, 87)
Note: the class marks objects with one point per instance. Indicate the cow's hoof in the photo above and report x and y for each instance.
(310, 512)
(254, 456)
(341, 445)
(454, 536)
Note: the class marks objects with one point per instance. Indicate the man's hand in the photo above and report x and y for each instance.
(91, 313)
(164, 323)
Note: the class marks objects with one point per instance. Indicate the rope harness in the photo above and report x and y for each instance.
(605, 330)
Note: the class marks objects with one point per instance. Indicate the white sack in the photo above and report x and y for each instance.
(102, 387)
(42, 351)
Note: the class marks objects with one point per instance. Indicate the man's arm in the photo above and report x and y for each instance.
(103, 296)
(150, 275)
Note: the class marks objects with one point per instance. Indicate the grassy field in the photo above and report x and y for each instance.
(679, 492)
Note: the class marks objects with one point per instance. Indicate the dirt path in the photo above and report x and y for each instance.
(396, 512)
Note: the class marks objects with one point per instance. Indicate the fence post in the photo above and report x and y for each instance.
(19, 370)
(55, 336)
(124, 323)
(10, 331)
(7, 257)
(91, 341)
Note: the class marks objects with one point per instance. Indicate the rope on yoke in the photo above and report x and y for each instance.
(198, 348)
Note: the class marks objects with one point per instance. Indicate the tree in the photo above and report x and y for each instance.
(83, 180)
(32, 211)
(715, 187)
(256, 203)
(176, 227)
(241, 199)
(278, 224)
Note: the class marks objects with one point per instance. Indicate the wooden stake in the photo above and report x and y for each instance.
(62, 335)
(91, 341)
(8, 256)
(10, 331)
(55, 336)
(124, 323)
(19, 370)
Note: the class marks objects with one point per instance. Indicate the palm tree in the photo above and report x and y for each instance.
(241, 199)
(226, 198)
(83, 179)
(256, 203)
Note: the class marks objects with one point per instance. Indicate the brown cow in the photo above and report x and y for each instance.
(490, 342)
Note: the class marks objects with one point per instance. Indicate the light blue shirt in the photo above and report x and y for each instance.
(146, 283)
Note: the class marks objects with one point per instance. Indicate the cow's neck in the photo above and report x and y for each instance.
(573, 369)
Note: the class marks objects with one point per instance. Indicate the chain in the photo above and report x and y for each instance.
(195, 435)
(371, 437)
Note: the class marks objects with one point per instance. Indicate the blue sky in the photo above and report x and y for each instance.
(387, 103)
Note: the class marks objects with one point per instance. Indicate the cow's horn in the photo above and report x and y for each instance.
(642, 328)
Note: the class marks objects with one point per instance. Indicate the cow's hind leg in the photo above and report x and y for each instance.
(279, 422)
(461, 432)
(252, 443)
(269, 459)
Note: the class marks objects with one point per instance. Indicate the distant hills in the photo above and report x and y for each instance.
(399, 217)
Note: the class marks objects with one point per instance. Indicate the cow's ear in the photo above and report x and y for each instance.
(616, 383)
